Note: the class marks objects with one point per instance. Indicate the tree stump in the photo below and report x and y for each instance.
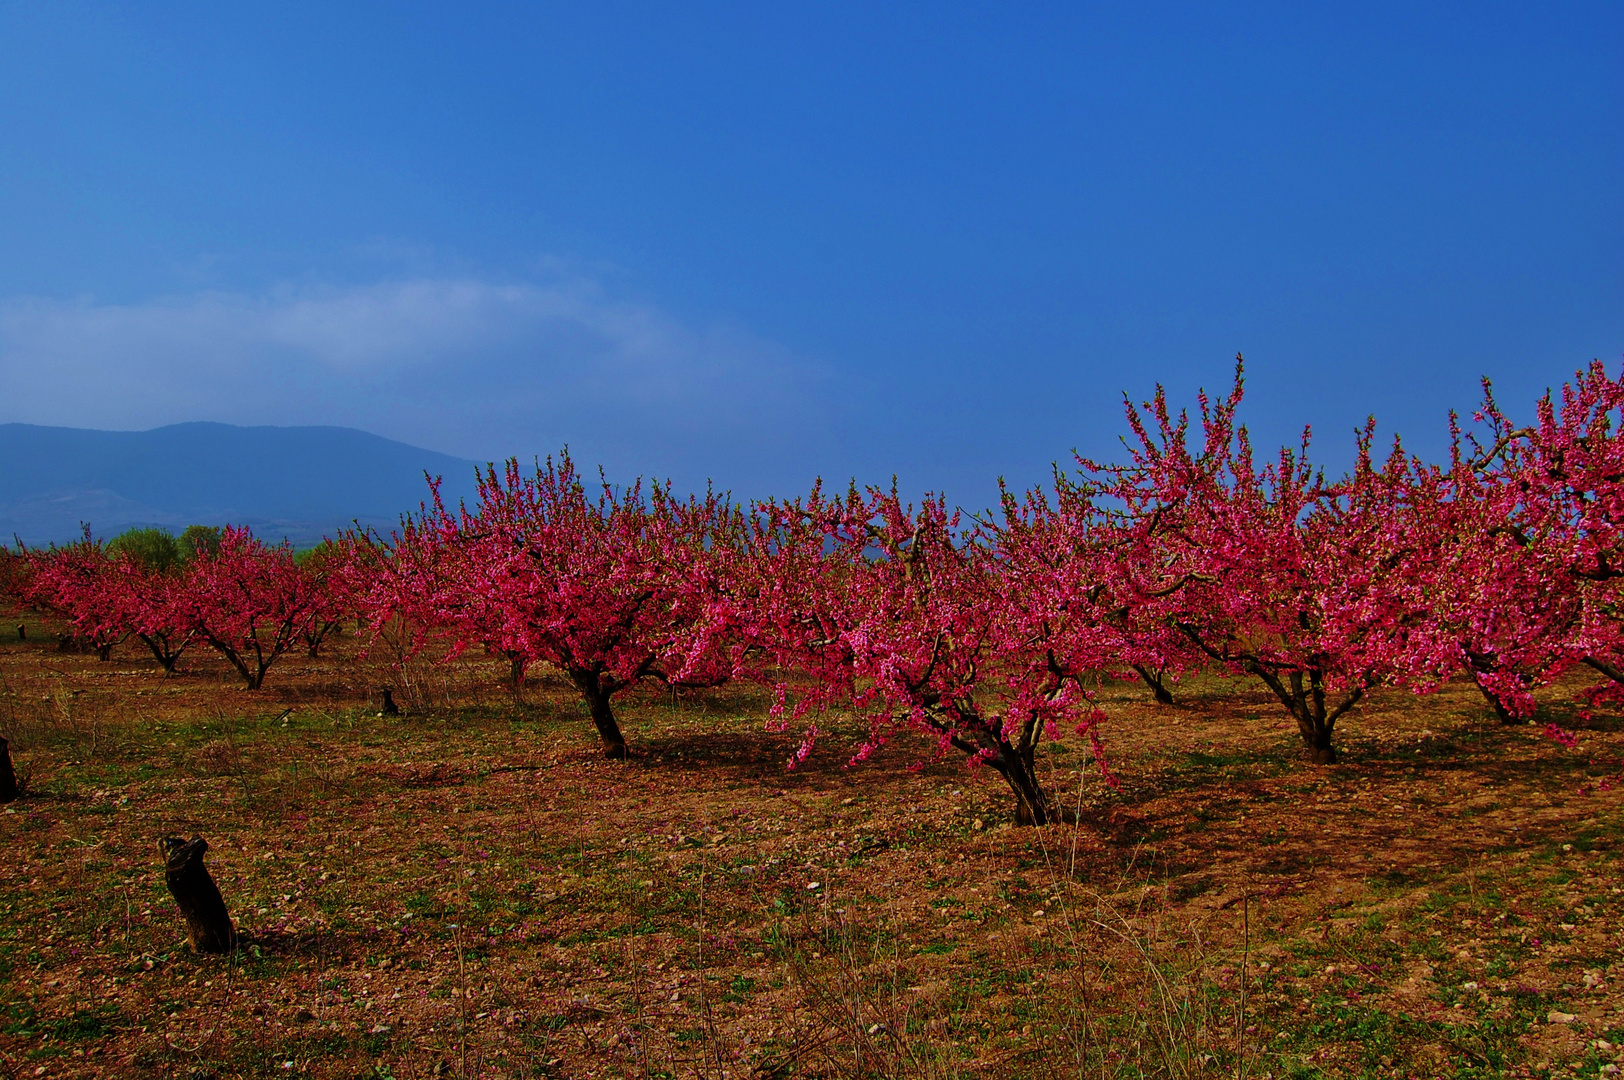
(9, 792)
(22, 632)
(208, 924)
(389, 706)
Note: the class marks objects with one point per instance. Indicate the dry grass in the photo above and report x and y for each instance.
(470, 890)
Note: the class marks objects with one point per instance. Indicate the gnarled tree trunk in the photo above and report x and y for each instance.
(1032, 804)
(252, 666)
(9, 791)
(166, 653)
(1605, 668)
(316, 633)
(603, 718)
(1316, 720)
(1015, 762)
(1505, 715)
(596, 688)
(208, 924)
(1156, 682)
(1479, 664)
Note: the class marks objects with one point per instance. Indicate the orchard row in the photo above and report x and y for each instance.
(1505, 564)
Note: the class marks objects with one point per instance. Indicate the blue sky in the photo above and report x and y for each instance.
(762, 242)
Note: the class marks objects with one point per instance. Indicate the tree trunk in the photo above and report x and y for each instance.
(104, 652)
(516, 666)
(252, 675)
(9, 791)
(1032, 803)
(1312, 723)
(1320, 750)
(596, 688)
(1605, 668)
(208, 924)
(1307, 705)
(319, 632)
(980, 737)
(1154, 680)
(160, 650)
(22, 632)
(1506, 715)
(603, 718)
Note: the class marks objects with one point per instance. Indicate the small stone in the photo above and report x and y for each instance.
(1555, 1017)
(978, 825)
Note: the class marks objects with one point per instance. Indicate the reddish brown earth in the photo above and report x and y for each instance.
(471, 890)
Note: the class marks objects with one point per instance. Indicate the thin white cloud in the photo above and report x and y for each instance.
(459, 364)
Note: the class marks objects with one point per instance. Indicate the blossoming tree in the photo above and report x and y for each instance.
(609, 588)
(248, 601)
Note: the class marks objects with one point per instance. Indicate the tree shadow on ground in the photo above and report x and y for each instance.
(319, 943)
(764, 758)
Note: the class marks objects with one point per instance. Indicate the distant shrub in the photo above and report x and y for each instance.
(198, 540)
(152, 549)
(319, 559)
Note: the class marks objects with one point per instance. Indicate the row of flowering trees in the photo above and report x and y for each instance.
(987, 634)
(248, 601)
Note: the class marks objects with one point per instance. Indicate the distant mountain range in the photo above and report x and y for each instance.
(294, 483)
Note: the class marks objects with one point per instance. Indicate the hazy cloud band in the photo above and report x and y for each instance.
(460, 365)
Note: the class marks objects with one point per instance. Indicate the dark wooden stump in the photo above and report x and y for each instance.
(9, 792)
(208, 924)
(22, 632)
(389, 706)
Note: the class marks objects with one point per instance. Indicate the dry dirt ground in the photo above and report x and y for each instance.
(470, 890)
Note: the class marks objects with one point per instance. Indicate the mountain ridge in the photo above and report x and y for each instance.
(296, 483)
